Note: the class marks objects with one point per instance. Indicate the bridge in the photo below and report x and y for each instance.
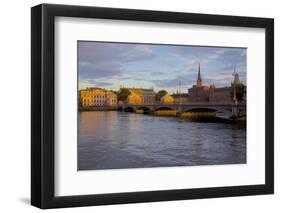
(223, 110)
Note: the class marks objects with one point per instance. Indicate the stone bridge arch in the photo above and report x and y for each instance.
(145, 109)
(219, 111)
(129, 109)
(200, 109)
(165, 108)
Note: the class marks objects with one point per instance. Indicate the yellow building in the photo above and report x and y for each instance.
(94, 97)
(134, 98)
(111, 98)
(141, 96)
(167, 99)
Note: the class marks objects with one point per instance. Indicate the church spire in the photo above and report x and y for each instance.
(199, 80)
(236, 76)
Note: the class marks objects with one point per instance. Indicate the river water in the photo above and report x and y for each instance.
(114, 140)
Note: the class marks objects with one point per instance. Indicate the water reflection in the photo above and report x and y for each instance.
(111, 140)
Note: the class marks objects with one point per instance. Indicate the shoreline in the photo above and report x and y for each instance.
(194, 116)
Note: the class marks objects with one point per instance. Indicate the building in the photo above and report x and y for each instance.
(111, 99)
(134, 97)
(204, 93)
(97, 97)
(167, 99)
(141, 96)
(199, 92)
(222, 94)
(180, 97)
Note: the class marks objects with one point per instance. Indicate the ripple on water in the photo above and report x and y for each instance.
(113, 140)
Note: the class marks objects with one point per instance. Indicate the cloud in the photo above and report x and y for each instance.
(233, 57)
(186, 80)
(95, 83)
(132, 78)
(104, 59)
(205, 55)
(108, 64)
(157, 73)
(99, 70)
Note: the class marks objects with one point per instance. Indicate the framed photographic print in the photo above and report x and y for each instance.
(139, 106)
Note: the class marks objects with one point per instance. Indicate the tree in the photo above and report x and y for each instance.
(122, 94)
(160, 94)
(240, 91)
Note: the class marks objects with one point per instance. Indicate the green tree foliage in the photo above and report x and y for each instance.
(122, 94)
(160, 94)
(240, 91)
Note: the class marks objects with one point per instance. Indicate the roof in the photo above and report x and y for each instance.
(221, 88)
(92, 88)
(143, 91)
(180, 95)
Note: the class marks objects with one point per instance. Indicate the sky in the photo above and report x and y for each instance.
(111, 65)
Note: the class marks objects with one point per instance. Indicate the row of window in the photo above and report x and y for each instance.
(99, 101)
(96, 104)
(85, 100)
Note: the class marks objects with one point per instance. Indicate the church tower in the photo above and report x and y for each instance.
(199, 80)
(236, 77)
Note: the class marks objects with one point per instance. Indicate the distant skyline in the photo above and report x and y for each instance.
(111, 65)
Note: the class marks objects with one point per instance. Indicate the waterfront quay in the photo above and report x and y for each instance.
(98, 108)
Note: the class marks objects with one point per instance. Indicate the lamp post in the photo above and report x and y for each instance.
(235, 101)
(179, 107)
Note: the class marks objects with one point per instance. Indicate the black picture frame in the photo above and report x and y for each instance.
(43, 101)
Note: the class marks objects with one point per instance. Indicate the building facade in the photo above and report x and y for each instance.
(180, 98)
(167, 99)
(204, 93)
(141, 96)
(97, 97)
(222, 94)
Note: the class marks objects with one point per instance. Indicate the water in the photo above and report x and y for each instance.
(114, 140)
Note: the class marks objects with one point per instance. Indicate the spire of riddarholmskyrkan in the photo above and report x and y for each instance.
(199, 80)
